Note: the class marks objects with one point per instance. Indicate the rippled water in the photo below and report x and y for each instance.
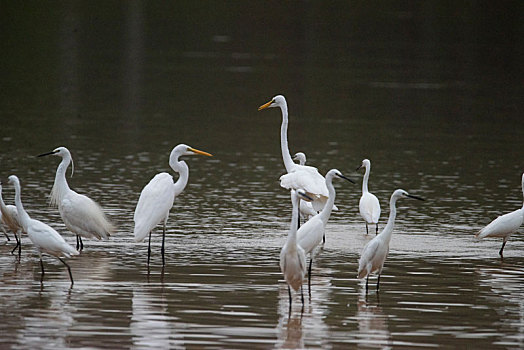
(121, 86)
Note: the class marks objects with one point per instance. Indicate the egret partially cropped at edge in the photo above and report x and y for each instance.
(9, 219)
(81, 215)
(43, 236)
(298, 176)
(311, 233)
(292, 256)
(504, 225)
(375, 251)
(369, 205)
(306, 208)
(157, 197)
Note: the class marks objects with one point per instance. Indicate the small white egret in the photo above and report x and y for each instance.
(375, 251)
(298, 176)
(504, 225)
(9, 218)
(369, 206)
(306, 208)
(311, 233)
(44, 237)
(157, 197)
(300, 157)
(81, 215)
(292, 256)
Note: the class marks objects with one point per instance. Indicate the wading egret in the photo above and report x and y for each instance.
(504, 225)
(375, 252)
(292, 256)
(81, 215)
(298, 176)
(9, 219)
(157, 197)
(311, 233)
(306, 208)
(44, 237)
(369, 206)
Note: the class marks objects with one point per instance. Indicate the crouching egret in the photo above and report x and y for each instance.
(9, 218)
(375, 252)
(311, 233)
(44, 237)
(157, 197)
(81, 215)
(299, 176)
(504, 225)
(368, 206)
(292, 257)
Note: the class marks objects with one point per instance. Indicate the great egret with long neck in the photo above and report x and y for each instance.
(311, 233)
(43, 236)
(504, 225)
(298, 176)
(369, 205)
(292, 256)
(81, 215)
(375, 251)
(157, 197)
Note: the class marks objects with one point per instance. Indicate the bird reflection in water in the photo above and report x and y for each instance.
(373, 328)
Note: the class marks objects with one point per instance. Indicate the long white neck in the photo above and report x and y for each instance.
(23, 217)
(183, 170)
(60, 187)
(366, 179)
(326, 212)
(388, 230)
(292, 236)
(286, 156)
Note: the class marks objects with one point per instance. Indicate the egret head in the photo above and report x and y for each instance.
(185, 150)
(13, 179)
(59, 151)
(365, 164)
(301, 157)
(401, 193)
(301, 194)
(277, 101)
(334, 172)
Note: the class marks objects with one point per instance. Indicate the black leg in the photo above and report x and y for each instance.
(17, 244)
(68, 270)
(309, 276)
(163, 243)
(149, 249)
(289, 292)
(324, 238)
(7, 236)
(43, 272)
(376, 232)
(298, 221)
(302, 295)
(502, 249)
(367, 280)
(20, 246)
(81, 243)
(367, 228)
(77, 243)
(378, 281)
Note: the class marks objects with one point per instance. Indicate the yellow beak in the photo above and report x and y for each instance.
(266, 105)
(200, 152)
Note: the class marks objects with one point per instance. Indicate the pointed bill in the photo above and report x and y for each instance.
(265, 105)
(200, 152)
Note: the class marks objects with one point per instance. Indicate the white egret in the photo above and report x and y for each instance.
(44, 237)
(504, 225)
(81, 215)
(306, 208)
(300, 157)
(157, 197)
(292, 257)
(369, 206)
(298, 176)
(9, 218)
(375, 251)
(311, 233)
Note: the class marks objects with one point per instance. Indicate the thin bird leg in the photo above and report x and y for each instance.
(163, 243)
(502, 249)
(149, 249)
(81, 243)
(367, 228)
(77, 243)
(17, 245)
(69, 270)
(376, 232)
(6, 235)
(289, 292)
(324, 238)
(298, 221)
(309, 276)
(367, 280)
(43, 272)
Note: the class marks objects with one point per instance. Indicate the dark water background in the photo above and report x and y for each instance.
(430, 91)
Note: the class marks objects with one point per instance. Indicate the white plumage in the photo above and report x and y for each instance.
(9, 221)
(376, 251)
(504, 225)
(156, 198)
(369, 205)
(81, 215)
(44, 237)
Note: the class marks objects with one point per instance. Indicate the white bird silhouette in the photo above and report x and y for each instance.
(9, 220)
(369, 206)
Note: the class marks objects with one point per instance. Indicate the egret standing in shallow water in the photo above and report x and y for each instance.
(504, 225)
(310, 234)
(157, 197)
(369, 206)
(292, 257)
(81, 214)
(9, 218)
(375, 252)
(44, 237)
(298, 176)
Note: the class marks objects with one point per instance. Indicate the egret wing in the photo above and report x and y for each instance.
(504, 225)
(45, 238)
(369, 255)
(306, 178)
